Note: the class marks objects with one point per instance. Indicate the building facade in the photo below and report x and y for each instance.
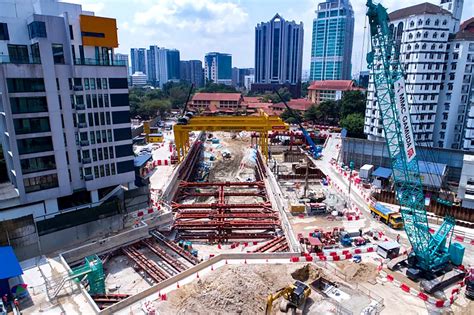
(65, 123)
(278, 52)
(422, 36)
(332, 90)
(123, 58)
(191, 71)
(218, 68)
(163, 65)
(138, 60)
(139, 79)
(333, 34)
(217, 102)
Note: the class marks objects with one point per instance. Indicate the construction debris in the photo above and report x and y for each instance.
(358, 272)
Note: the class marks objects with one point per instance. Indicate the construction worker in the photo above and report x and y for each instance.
(17, 305)
(398, 238)
(5, 300)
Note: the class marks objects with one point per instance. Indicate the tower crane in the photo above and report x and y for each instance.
(430, 252)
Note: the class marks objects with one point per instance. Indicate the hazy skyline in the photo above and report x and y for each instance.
(196, 27)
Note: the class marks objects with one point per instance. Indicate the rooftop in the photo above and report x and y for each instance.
(300, 104)
(466, 30)
(422, 8)
(217, 97)
(339, 85)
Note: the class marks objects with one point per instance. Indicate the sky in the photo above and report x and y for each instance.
(196, 27)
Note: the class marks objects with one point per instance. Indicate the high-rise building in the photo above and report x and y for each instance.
(138, 79)
(278, 52)
(163, 65)
(65, 123)
(218, 68)
(238, 76)
(333, 33)
(138, 58)
(123, 58)
(422, 36)
(192, 72)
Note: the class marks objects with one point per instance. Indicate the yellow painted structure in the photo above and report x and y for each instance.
(262, 124)
(99, 31)
(155, 137)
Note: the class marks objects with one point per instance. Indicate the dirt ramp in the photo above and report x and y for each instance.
(308, 272)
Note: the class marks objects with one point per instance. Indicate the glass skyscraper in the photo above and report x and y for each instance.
(218, 68)
(333, 33)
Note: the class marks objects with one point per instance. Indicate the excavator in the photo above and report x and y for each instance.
(294, 295)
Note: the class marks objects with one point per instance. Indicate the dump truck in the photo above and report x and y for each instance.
(388, 216)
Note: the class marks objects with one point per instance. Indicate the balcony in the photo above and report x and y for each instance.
(99, 62)
(88, 177)
(27, 60)
(84, 143)
(82, 125)
(80, 106)
(86, 161)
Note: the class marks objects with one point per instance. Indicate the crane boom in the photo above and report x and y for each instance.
(429, 250)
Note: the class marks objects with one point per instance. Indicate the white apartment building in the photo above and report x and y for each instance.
(64, 111)
(421, 33)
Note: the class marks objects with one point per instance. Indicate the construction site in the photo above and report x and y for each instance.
(251, 215)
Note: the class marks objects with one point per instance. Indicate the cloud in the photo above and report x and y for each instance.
(196, 16)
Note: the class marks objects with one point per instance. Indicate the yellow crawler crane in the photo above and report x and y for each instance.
(293, 295)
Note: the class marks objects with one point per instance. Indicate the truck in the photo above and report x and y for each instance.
(388, 216)
(366, 171)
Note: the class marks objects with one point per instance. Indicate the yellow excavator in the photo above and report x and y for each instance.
(294, 295)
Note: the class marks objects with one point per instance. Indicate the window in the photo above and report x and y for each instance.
(418, 35)
(33, 145)
(90, 117)
(71, 33)
(436, 23)
(111, 152)
(124, 150)
(121, 117)
(119, 99)
(40, 183)
(102, 173)
(99, 153)
(118, 83)
(109, 135)
(37, 29)
(106, 100)
(92, 137)
(412, 24)
(36, 58)
(94, 155)
(435, 35)
(107, 117)
(104, 136)
(101, 101)
(22, 105)
(58, 53)
(96, 171)
(4, 32)
(442, 35)
(97, 136)
(104, 83)
(410, 36)
(423, 46)
(445, 22)
(31, 125)
(38, 164)
(99, 84)
(92, 81)
(86, 83)
(25, 85)
(420, 22)
(107, 170)
(122, 134)
(18, 53)
(425, 35)
(94, 100)
(112, 168)
(125, 166)
(427, 22)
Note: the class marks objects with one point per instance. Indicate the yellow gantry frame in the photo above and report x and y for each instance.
(262, 124)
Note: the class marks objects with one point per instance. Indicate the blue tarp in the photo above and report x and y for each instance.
(382, 172)
(432, 168)
(10, 266)
(141, 160)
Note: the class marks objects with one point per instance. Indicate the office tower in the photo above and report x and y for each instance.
(278, 52)
(163, 65)
(238, 76)
(138, 58)
(218, 68)
(65, 124)
(191, 71)
(333, 33)
(436, 77)
(123, 58)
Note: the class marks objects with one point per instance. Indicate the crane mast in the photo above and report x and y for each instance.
(429, 251)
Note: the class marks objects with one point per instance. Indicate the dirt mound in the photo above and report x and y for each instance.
(308, 272)
(359, 272)
(229, 290)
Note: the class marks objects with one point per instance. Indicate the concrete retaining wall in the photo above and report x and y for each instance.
(156, 288)
(80, 233)
(107, 244)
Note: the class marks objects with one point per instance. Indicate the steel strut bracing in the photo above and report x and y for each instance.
(173, 262)
(147, 265)
(272, 243)
(183, 253)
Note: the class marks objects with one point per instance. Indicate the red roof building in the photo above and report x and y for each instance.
(217, 102)
(320, 91)
(299, 104)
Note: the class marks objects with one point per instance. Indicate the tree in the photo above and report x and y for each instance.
(353, 102)
(212, 87)
(291, 117)
(304, 88)
(274, 98)
(354, 124)
(313, 114)
(150, 108)
(329, 111)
